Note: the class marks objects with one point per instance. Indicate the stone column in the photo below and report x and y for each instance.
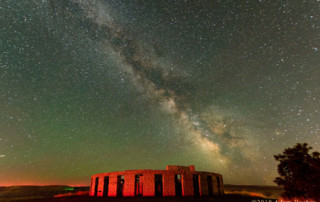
(100, 186)
(215, 186)
(129, 180)
(169, 185)
(203, 185)
(92, 185)
(148, 184)
(221, 186)
(113, 185)
(187, 184)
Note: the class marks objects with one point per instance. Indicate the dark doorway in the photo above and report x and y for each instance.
(105, 186)
(196, 185)
(158, 185)
(120, 183)
(138, 185)
(210, 186)
(177, 181)
(96, 187)
(218, 185)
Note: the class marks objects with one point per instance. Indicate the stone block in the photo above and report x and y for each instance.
(203, 185)
(91, 190)
(168, 184)
(148, 184)
(187, 184)
(220, 185)
(113, 182)
(180, 168)
(129, 185)
(215, 186)
(100, 186)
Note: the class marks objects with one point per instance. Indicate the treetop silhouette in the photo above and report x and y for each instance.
(299, 172)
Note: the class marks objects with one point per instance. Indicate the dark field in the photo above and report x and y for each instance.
(254, 190)
(58, 193)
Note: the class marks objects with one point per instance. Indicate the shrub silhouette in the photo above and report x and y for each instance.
(299, 172)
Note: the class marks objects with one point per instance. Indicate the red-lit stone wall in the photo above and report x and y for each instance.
(187, 184)
(100, 187)
(147, 182)
(129, 181)
(203, 185)
(92, 184)
(168, 184)
(112, 185)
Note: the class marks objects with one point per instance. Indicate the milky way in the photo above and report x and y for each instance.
(97, 86)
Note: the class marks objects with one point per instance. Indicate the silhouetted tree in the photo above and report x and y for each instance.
(299, 172)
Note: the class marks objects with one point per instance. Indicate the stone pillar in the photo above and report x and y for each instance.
(221, 186)
(169, 185)
(92, 185)
(148, 184)
(100, 186)
(113, 180)
(129, 180)
(187, 184)
(203, 185)
(215, 186)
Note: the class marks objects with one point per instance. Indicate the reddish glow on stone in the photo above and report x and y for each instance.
(174, 181)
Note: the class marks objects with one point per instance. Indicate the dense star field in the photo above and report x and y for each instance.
(89, 86)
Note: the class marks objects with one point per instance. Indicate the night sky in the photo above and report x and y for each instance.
(89, 86)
